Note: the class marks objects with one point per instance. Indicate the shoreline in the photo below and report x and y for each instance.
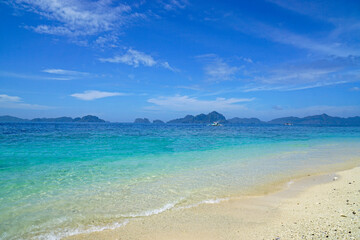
(266, 214)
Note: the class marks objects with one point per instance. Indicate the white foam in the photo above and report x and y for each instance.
(207, 201)
(290, 183)
(213, 201)
(154, 211)
(71, 232)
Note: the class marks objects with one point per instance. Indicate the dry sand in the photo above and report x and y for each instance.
(315, 207)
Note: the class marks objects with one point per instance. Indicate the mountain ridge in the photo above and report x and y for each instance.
(318, 120)
(321, 120)
(87, 118)
(201, 118)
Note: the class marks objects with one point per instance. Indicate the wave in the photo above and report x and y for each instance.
(288, 184)
(168, 206)
(154, 211)
(72, 232)
(207, 201)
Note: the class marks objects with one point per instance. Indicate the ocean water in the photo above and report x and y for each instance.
(57, 179)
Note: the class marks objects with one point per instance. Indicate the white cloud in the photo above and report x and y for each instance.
(93, 94)
(64, 72)
(167, 66)
(296, 75)
(107, 40)
(7, 98)
(336, 42)
(135, 58)
(355, 89)
(330, 11)
(132, 58)
(246, 59)
(51, 30)
(75, 17)
(191, 87)
(31, 76)
(219, 70)
(324, 46)
(303, 75)
(249, 60)
(286, 88)
(175, 4)
(216, 68)
(186, 103)
(7, 101)
(54, 74)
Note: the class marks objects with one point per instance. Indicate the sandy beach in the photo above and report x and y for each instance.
(314, 207)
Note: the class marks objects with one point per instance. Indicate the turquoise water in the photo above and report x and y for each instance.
(59, 179)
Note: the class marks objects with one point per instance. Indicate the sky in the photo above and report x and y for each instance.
(163, 59)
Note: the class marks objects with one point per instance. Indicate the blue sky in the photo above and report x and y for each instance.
(163, 59)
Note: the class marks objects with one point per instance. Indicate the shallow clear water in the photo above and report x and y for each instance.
(60, 179)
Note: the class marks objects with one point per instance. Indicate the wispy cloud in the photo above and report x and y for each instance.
(186, 103)
(295, 76)
(92, 23)
(174, 4)
(136, 58)
(325, 10)
(36, 77)
(93, 94)
(291, 87)
(291, 76)
(216, 69)
(166, 65)
(109, 40)
(304, 75)
(16, 102)
(191, 87)
(355, 89)
(63, 72)
(248, 60)
(75, 17)
(49, 74)
(132, 58)
(7, 98)
(219, 70)
(340, 37)
(324, 46)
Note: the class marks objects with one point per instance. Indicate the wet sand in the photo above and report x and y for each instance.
(314, 207)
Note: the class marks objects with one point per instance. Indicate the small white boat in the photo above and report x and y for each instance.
(216, 124)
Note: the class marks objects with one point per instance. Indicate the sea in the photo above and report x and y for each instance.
(62, 179)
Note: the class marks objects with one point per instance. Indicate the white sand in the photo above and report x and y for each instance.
(315, 207)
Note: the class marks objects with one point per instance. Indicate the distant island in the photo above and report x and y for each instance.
(323, 119)
(147, 121)
(319, 120)
(158, 122)
(142, 120)
(201, 118)
(85, 119)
